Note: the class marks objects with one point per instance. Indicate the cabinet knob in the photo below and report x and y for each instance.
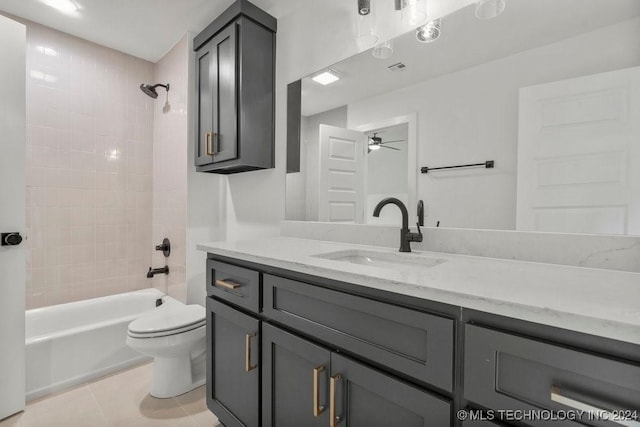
(10, 239)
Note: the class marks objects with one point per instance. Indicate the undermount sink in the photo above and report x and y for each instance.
(393, 261)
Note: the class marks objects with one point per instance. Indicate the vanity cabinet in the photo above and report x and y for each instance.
(235, 75)
(295, 384)
(233, 359)
(507, 371)
(305, 384)
(289, 349)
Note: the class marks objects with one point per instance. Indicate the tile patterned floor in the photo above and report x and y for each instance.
(119, 400)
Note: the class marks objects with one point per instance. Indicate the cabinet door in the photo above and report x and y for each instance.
(233, 373)
(225, 94)
(295, 380)
(363, 397)
(204, 91)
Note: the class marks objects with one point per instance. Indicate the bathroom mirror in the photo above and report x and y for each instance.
(549, 91)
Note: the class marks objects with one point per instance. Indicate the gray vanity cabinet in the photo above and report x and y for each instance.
(295, 380)
(507, 371)
(235, 75)
(366, 397)
(304, 384)
(233, 365)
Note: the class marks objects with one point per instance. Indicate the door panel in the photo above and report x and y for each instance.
(233, 374)
(296, 371)
(365, 397)
(204, 127)
(12, 215)
(341, 190)
(225, 111)
(577, 140)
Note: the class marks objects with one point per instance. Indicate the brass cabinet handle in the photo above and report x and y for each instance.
(227, 284)
(209, 139)
(556, 396)
(247, 353)
(334, 419)
(317, 408)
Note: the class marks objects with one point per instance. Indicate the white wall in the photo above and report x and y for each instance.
(472, 116)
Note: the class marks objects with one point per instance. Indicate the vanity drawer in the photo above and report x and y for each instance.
(407, 341)
(505, 371)
(237, 285)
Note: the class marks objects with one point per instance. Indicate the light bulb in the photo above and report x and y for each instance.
(429, 32)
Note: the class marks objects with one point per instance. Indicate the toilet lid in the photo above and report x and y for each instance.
(169, 319)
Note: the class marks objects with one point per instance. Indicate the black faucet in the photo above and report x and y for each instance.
(153, 271)
(406, 236)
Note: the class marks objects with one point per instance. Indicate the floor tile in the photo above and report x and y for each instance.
(118, 400)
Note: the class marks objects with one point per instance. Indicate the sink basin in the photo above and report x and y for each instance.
(394, 261)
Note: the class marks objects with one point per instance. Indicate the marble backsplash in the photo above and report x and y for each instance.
(593, 251)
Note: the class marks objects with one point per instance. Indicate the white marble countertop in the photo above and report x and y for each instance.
(598, 302)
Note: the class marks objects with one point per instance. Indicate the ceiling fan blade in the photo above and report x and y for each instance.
(390, 148)
(389, 142)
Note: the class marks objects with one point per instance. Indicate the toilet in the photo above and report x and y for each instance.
(174, 335)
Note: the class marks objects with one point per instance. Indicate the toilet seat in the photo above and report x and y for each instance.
(169, 320)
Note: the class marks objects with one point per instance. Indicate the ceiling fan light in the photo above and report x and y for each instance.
(374, 147)
(489, 9)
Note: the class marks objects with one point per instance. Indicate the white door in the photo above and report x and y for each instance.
(579, 155)
(341, 192)
(12, 215)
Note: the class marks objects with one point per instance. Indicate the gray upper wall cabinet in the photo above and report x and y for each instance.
(235, 82)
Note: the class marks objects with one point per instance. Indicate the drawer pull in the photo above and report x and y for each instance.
(334, 419)
(227, 284)
(247, 353)
(556, 396)
(209, 138)
(317, 408)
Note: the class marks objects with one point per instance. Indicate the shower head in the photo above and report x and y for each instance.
(151, 89)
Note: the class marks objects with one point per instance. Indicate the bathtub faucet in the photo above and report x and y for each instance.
(153, 271)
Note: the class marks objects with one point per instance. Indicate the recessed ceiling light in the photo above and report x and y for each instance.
(326, 77)
(65, 6)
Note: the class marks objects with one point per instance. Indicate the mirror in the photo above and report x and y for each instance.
(548, 91)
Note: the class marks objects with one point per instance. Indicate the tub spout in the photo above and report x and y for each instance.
(153, 271)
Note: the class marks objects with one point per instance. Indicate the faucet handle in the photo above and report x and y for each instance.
(416, 237)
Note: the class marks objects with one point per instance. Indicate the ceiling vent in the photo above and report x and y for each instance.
(398, 66)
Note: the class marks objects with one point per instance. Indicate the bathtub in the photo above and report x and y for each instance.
(69, 344)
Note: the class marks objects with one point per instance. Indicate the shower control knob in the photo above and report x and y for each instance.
(10, 239)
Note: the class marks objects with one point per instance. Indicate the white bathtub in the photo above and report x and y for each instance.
(69, 344)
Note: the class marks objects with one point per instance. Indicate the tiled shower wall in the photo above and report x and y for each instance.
(170, 168)
(89, 169)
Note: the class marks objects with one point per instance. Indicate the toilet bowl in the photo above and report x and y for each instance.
(174, 335)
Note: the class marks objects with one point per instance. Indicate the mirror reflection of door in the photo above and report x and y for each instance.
(578, 141)
(341, 183)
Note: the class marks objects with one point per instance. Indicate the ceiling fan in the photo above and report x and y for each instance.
(375, 143)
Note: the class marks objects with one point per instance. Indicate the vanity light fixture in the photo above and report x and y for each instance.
(413, 11)
(488, 9)
(68, 7)
(383, 50)
(326, 77)
(364, 7)
(429, 32)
